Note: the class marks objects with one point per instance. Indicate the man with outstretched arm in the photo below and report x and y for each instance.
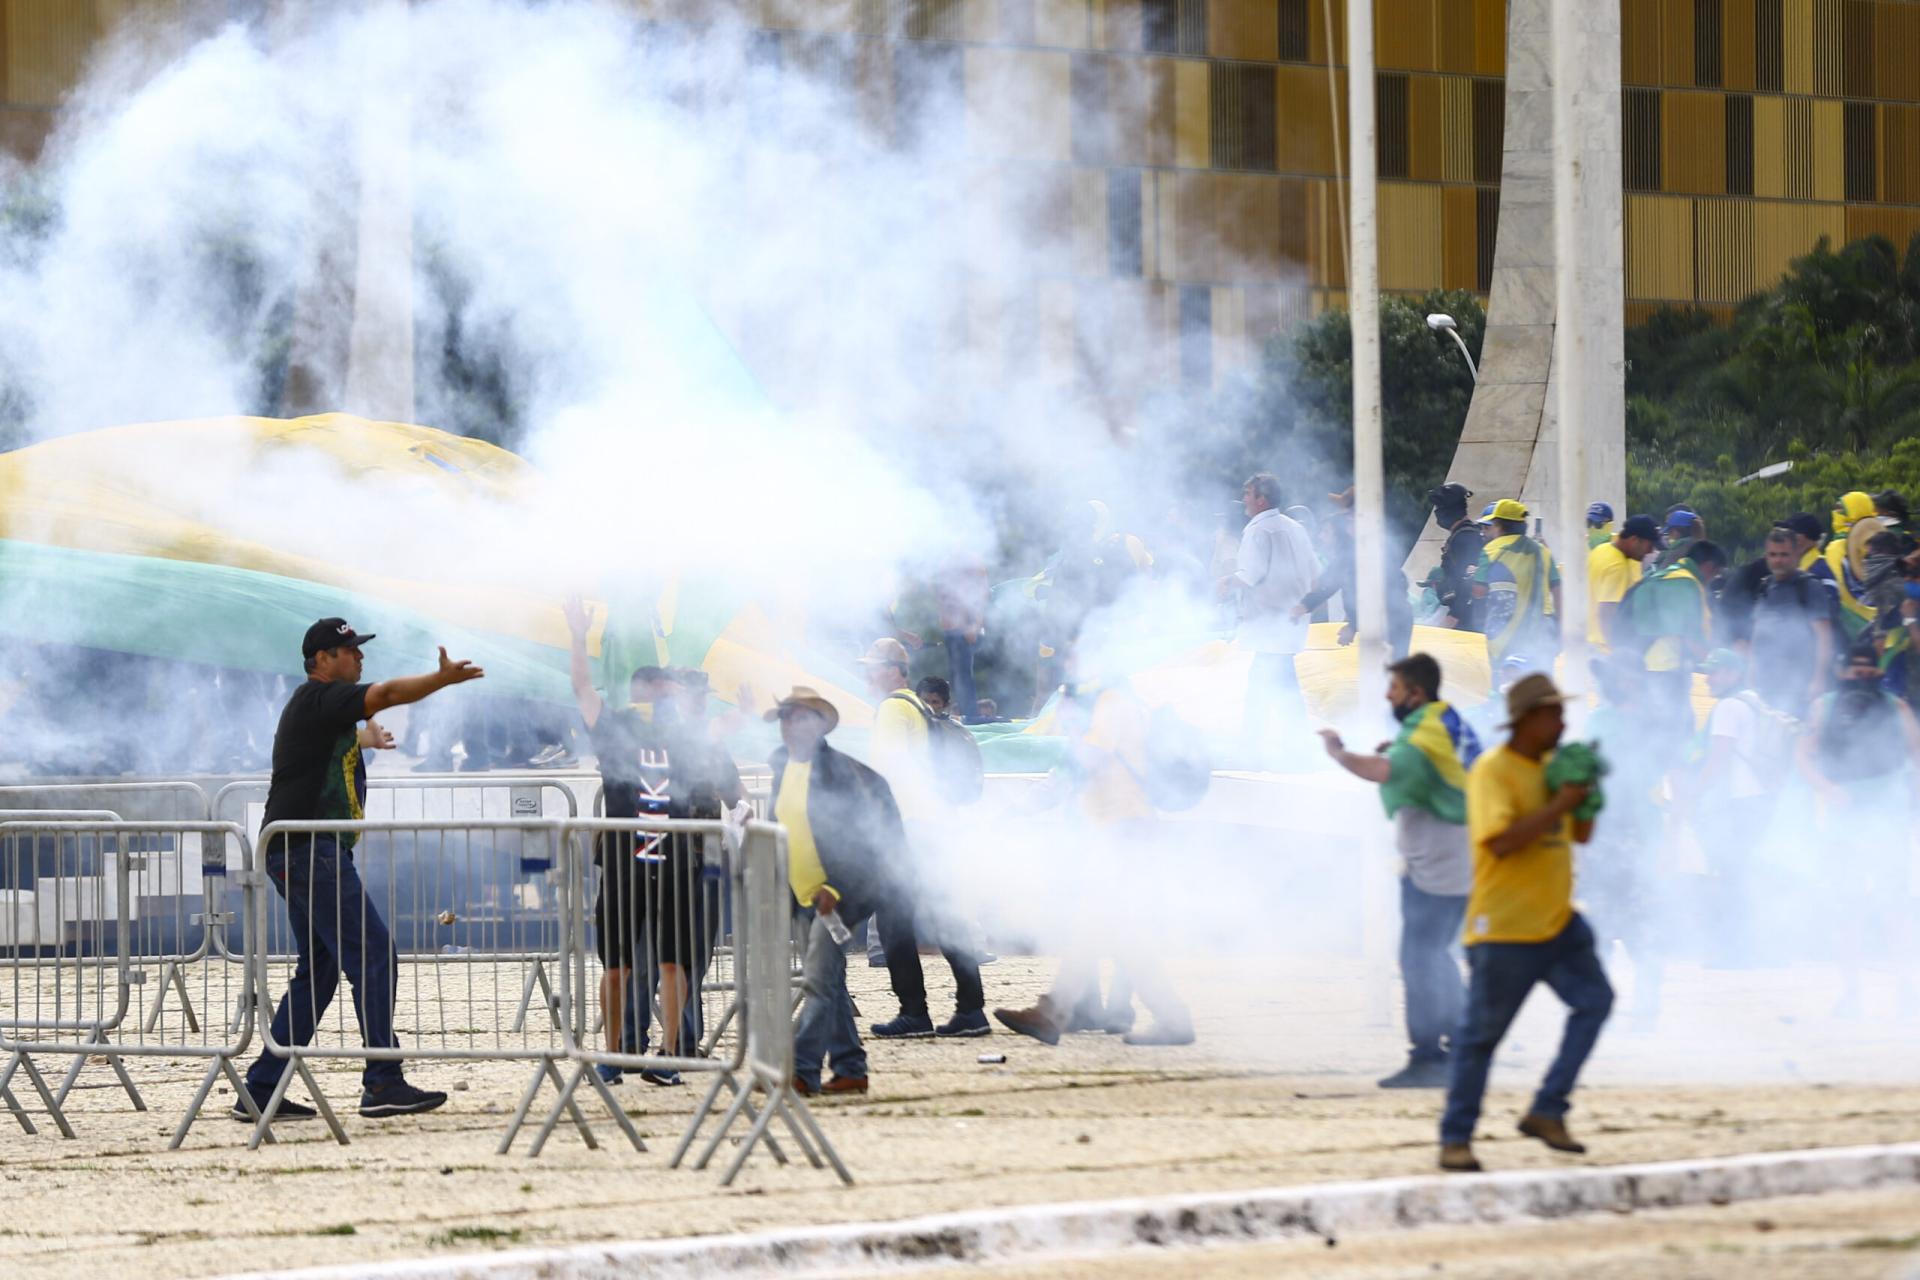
(319, 775)
(1521, 925)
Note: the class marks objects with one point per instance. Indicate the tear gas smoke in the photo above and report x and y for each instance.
(619, 220)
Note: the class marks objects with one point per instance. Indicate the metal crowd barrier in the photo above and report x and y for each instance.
(90, 903)
(764, 983)
(450, 895)
(463, 797)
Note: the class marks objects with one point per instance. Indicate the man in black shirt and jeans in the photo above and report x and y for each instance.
(319, 776)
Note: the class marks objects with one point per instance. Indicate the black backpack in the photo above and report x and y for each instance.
(957, 767)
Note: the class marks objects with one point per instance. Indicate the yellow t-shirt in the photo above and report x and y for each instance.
(1610, 571)
(805, 872)
(901, 753)
(1115, 750)
(1526, 896)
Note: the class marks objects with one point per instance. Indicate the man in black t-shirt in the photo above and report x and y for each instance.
(319, 776)
(656, 760)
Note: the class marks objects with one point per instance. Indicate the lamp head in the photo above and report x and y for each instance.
(1438, 321)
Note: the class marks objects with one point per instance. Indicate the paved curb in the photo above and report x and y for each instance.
(1033, 1233)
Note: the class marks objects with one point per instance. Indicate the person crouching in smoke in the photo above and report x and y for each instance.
(1108, 729)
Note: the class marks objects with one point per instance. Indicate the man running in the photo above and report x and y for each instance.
(1521, 925)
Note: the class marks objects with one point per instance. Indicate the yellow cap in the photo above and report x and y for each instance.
(1509, 509)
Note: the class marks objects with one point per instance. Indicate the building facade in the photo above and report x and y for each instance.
(1193, 147)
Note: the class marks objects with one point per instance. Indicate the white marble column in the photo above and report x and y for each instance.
(1508, 443)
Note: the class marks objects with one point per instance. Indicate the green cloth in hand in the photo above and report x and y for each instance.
(1581, 764)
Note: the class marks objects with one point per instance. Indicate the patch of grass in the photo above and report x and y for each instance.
(526, 1188)
(970, 1111)
(337, 1229)
(1887, 1244)
(478, 1235)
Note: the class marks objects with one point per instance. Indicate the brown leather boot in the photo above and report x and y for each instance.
(1043, 1022)
(1457, 1157)
(1553, 1131)
(844, 1084)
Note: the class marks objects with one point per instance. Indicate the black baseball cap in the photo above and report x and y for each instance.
(331, 633)
(1806, 524)
(1640, 527)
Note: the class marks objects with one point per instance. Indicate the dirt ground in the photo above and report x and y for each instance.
(1278, 1091)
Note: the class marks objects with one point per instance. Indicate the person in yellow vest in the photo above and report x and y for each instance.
(1518, 586)
(1613, 567)
(1521, 927)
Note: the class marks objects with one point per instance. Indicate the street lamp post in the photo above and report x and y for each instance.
(1444, 323)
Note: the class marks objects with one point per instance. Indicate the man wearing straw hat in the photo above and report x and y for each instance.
(841, 823)
(1521, 926)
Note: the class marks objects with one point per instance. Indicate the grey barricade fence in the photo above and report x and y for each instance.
(434, 926)
(152, 800)
(763, 934)
(91, 904)
(650, 947)
(455, 798)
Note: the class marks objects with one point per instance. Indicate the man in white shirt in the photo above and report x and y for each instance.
(1274, 569)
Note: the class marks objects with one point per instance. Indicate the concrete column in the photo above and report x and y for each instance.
(1508, 443)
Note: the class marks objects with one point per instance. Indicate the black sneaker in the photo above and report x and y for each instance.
(399, 1099)
(661, 1077)
(907, 1026)
(965, 1025)
(289, 1110)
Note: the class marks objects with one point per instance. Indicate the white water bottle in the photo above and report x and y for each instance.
(840, 934)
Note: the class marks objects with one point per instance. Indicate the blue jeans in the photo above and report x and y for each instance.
(965, 704)
(1429, 926)
(827, 1027)
(1502, 975)
(334, 924)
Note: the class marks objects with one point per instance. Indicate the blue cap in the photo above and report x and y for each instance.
(1599, 513)
(1681, 519)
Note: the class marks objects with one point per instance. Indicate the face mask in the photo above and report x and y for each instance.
(1401, 710)
(1841, 524)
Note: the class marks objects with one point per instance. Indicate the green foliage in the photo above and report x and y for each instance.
(1739, 515)
(1822, 370)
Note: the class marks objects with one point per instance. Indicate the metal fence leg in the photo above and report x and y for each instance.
(544, 1071)
(740, 1103)
(757, 1132)
(200, 1100)
(319, 1100)
(726, 1019)
(584, 1072)
(13, 1103)
(39, 1083)
(700, 1113)
(113, 1060)
(536, 977)
(170, 976)
(796, 1105)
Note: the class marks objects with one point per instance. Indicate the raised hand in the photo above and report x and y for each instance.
(460, 672)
